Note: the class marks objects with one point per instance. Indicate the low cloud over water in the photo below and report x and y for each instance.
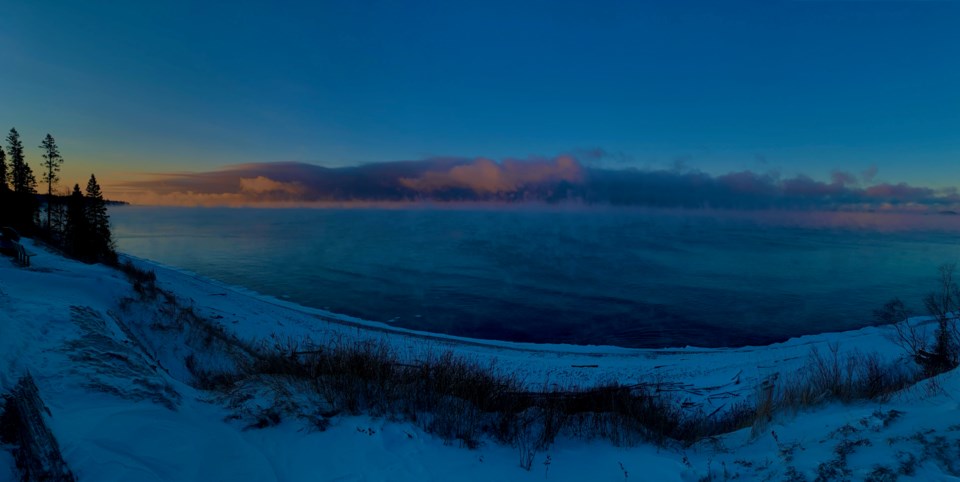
(563, 179)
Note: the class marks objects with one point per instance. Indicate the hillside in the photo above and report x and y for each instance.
(119, 388)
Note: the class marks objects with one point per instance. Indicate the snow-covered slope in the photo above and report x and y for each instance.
(120, 415)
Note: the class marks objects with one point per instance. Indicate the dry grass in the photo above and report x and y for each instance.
(465, 401)
(833, 377)
(144, 281)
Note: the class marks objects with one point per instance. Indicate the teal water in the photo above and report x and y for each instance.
(635, 278)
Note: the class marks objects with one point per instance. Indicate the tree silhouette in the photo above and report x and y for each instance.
(98, 222)
(21, 176)
(3, 170)
(77, 236)
(21, 200)
(58, 213)
(51, 161)
(6, 201)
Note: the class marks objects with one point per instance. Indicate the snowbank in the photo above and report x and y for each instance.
(130, 419)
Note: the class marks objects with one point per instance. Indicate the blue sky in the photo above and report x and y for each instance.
(796, 87)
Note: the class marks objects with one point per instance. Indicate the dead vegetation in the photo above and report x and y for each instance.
(23, 425)
(466, 401)
(940, 352)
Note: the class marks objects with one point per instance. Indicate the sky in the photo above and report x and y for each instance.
(811, 88)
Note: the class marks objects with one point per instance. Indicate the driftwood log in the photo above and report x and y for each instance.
(23, 424)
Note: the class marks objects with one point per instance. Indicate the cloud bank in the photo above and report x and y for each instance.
(486, 177)
(556, 180)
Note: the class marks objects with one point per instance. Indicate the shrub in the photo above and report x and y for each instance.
(463, 400)
(943, 353)
(460, 399)
(845, 378)
(144, 281)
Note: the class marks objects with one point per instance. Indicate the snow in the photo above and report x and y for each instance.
(134, 420)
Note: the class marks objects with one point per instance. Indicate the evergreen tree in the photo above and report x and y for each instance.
(22, 209)
(6, 203)
(21, 176)
(51, 161)
(98, 222)
(58, 215)
(3, 170)
(77, 230)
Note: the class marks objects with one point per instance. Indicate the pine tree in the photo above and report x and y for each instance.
(58, 215)
(3, 170)
(6, 203)
(21, 176)
(98, 221)
(77, 231)
(51, 161)
(22, 203)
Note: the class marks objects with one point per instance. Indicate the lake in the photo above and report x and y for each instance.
(581, 275)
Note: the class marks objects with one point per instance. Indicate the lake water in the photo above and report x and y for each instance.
(635, 278)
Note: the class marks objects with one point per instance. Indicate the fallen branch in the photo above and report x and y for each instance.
(37, 454)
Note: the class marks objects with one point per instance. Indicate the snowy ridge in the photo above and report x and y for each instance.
(119, 414)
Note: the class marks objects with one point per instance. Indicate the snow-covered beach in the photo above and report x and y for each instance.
(59, 319)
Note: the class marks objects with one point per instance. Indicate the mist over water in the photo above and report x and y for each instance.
(628, 277)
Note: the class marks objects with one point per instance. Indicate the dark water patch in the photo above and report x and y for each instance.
(622, 277)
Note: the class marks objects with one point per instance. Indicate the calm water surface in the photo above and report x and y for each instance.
(586, 276)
